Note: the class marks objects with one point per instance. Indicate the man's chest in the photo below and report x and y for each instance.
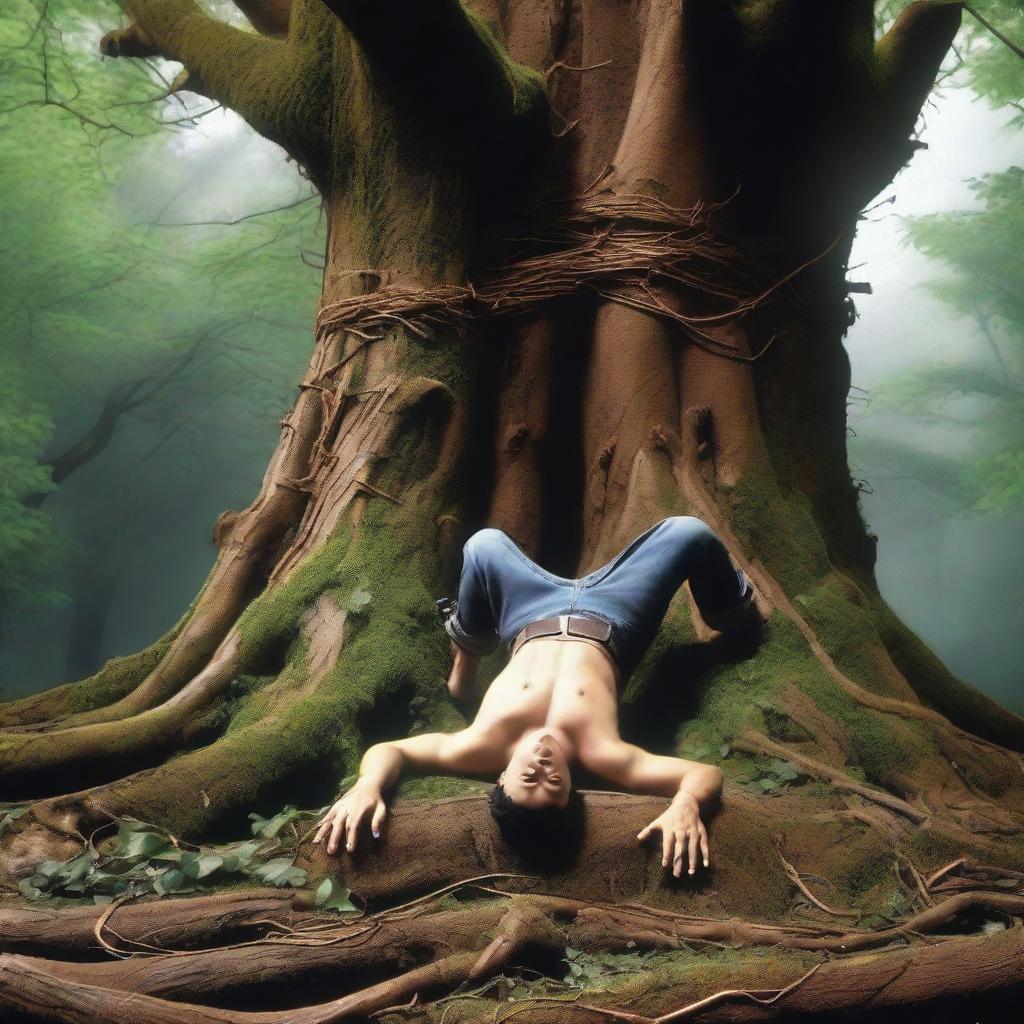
(573, 697)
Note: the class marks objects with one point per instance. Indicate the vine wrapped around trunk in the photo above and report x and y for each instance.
(585, 268)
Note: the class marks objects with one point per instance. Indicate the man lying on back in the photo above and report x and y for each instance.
(555, 704)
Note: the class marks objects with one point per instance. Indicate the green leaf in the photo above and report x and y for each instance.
(359, 600)
(49, 868)
(269, 827)
(172, 880)
(74, 871)
(188, 865)
(785, 770)
(145, 844)
(9, 815)
(208, 863)
(28, 890)
(332, 896)
(280, 871)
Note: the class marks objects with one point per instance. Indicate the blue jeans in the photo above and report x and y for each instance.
(501, 589)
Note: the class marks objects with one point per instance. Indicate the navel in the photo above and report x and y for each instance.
(526, 686)
(580, 692)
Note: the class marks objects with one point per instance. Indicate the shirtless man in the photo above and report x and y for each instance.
(555, 704)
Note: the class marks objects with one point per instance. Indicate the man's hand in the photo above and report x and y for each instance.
(347, 815)
(682, 832)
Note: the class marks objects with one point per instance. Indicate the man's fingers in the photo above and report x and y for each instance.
(324, 824)
(645, 832)
(704, 846)
(354, 821)
(677, 862)
(666, 847)
(693, 850)
(378, 818)
(336, 831)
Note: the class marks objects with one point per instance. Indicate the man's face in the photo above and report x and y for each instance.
(538, 772)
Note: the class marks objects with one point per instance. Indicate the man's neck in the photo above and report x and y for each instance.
(559, 735)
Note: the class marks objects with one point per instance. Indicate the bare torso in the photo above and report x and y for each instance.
(569, 684)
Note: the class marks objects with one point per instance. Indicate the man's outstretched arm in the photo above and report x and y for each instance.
(381, 768)
(690, 784)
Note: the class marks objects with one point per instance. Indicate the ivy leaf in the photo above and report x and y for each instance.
(331, 896)
(359, 600)
(74, 871)
(785, 770)
(9, 815)
(240, 858)
(208, 863)
(188, 865)
(49, 868)
(28, 890)
(127, 825)
(172, 880)
(145, 844)
(269, 827)
(104, 883)
(280, 871)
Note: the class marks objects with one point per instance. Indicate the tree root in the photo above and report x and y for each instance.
(129, 989)
(40, 929)
(44, 990)
(754, 743)
(875, 701)
(891, 978)
(246, 558)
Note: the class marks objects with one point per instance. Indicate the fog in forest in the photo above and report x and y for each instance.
(133, 525)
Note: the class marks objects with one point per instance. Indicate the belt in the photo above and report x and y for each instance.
(570, 627)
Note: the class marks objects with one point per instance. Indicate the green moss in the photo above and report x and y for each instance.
(778, 527)
(845, 627)
(438, 787)
(733, 697)
(231, 711)
(272, 619)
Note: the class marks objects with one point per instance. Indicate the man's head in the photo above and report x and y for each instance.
(538, 810)
(537, 775)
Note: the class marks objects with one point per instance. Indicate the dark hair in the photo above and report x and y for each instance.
(543, 837)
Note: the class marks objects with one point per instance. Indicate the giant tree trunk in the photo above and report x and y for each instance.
(585, 268)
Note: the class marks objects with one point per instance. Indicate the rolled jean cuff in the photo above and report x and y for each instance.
(474, 644)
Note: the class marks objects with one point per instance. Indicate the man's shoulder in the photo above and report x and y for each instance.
(468, 750)
(606, 754)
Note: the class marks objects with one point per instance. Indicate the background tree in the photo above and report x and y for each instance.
(980, 395)
(585, 267)
(108, 375)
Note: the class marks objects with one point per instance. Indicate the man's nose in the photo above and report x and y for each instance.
(544, 752)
